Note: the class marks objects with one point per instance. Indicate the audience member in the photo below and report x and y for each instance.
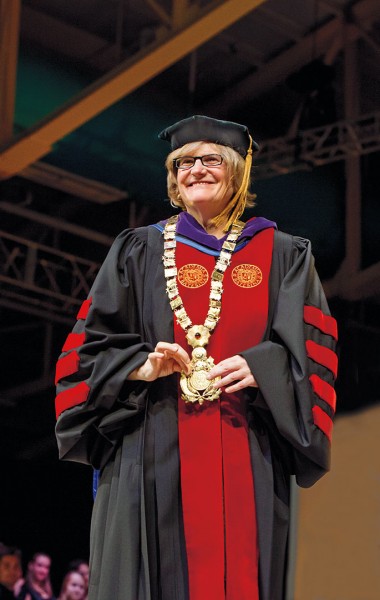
(81, 566)
(37, 585)
(10, 570)
(73, 587)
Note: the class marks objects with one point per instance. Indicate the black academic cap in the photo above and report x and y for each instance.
(205, 129)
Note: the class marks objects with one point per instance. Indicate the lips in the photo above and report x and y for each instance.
(200, 183)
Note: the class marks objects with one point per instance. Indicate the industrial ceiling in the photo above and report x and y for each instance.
(86, 86)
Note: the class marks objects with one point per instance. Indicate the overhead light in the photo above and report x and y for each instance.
(62, 180)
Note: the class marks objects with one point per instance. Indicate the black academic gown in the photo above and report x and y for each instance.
(128, 430)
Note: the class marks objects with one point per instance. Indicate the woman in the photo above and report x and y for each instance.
(73, 587)
(37, 585)
(81, 566)
(197, 379)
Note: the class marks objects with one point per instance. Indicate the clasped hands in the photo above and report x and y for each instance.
(169, 358)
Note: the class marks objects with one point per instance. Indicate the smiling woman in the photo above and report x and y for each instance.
(224, 176)
(37, 585)
(197, 379)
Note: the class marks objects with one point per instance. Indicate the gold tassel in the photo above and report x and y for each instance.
(239, 199)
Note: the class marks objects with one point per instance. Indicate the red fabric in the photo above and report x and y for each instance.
(71, 397)
(216, 475)
(323, 356)
(323, 421)
(67, 365)
(314, 316)
(324, 390)
(83, 311)
(73, 340)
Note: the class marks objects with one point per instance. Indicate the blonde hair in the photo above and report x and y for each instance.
(236, 167)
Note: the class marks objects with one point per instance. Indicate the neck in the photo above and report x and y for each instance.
(207, 224)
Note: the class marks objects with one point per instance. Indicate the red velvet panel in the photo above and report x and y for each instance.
(323, 356)
(67, 365)
(314, 316)
(71, 397)
(73, 340)
(324, 390)
(83, 311)
(217, 482)
(323, 421)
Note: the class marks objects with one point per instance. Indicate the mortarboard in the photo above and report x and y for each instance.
(205, 129)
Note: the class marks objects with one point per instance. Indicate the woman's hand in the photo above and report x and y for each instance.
(165, 360)
(235, 374)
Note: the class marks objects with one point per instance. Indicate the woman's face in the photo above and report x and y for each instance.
(204, 189)
(75, 587)
(40, 568)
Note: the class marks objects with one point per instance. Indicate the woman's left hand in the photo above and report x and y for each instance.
(235, 374)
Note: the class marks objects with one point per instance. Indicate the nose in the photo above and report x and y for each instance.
(198, 166)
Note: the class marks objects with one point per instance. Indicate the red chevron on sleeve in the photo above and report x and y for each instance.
(67, 365)
(323, 421)
(324, 390)
(73, 340)
(323, 356)
(314, 316)
(83, 311)
(71, 397)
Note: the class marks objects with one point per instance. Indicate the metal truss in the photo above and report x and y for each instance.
(320, 146)
(43, 281)
(51, 284)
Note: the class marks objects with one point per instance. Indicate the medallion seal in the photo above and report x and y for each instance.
(247, 276)
(193, 275)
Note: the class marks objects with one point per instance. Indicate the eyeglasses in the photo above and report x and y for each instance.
(208, 160)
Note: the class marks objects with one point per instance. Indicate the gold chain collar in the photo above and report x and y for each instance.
(195, 386)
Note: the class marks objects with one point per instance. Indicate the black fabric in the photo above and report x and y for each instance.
(205, 129)
(26, 592)
(5, 594)
(129, 429)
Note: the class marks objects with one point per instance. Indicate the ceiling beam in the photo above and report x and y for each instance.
(246, 52)
(124, 79)
(66, 39)
(328, 5)
(360, 286)
(280, 24)
(276, 70)
(71, 183)
(54, 223)
(160, 12)
(9, 41)
(179, 12)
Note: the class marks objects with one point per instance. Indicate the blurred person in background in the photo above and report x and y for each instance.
(10, 571)
(37, 584)
(81, 566)
(73, 587)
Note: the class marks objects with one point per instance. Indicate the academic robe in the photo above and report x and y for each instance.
(129, 429)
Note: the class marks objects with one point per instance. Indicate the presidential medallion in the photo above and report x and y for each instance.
(195, 386)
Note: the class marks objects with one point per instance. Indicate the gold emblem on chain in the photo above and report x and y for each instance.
(195, 386)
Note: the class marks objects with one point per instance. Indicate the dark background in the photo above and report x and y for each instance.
(45, 505)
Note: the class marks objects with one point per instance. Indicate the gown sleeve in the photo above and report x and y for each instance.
(296, 367)
(95, 404)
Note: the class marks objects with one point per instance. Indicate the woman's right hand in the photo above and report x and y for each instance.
(166, 359)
